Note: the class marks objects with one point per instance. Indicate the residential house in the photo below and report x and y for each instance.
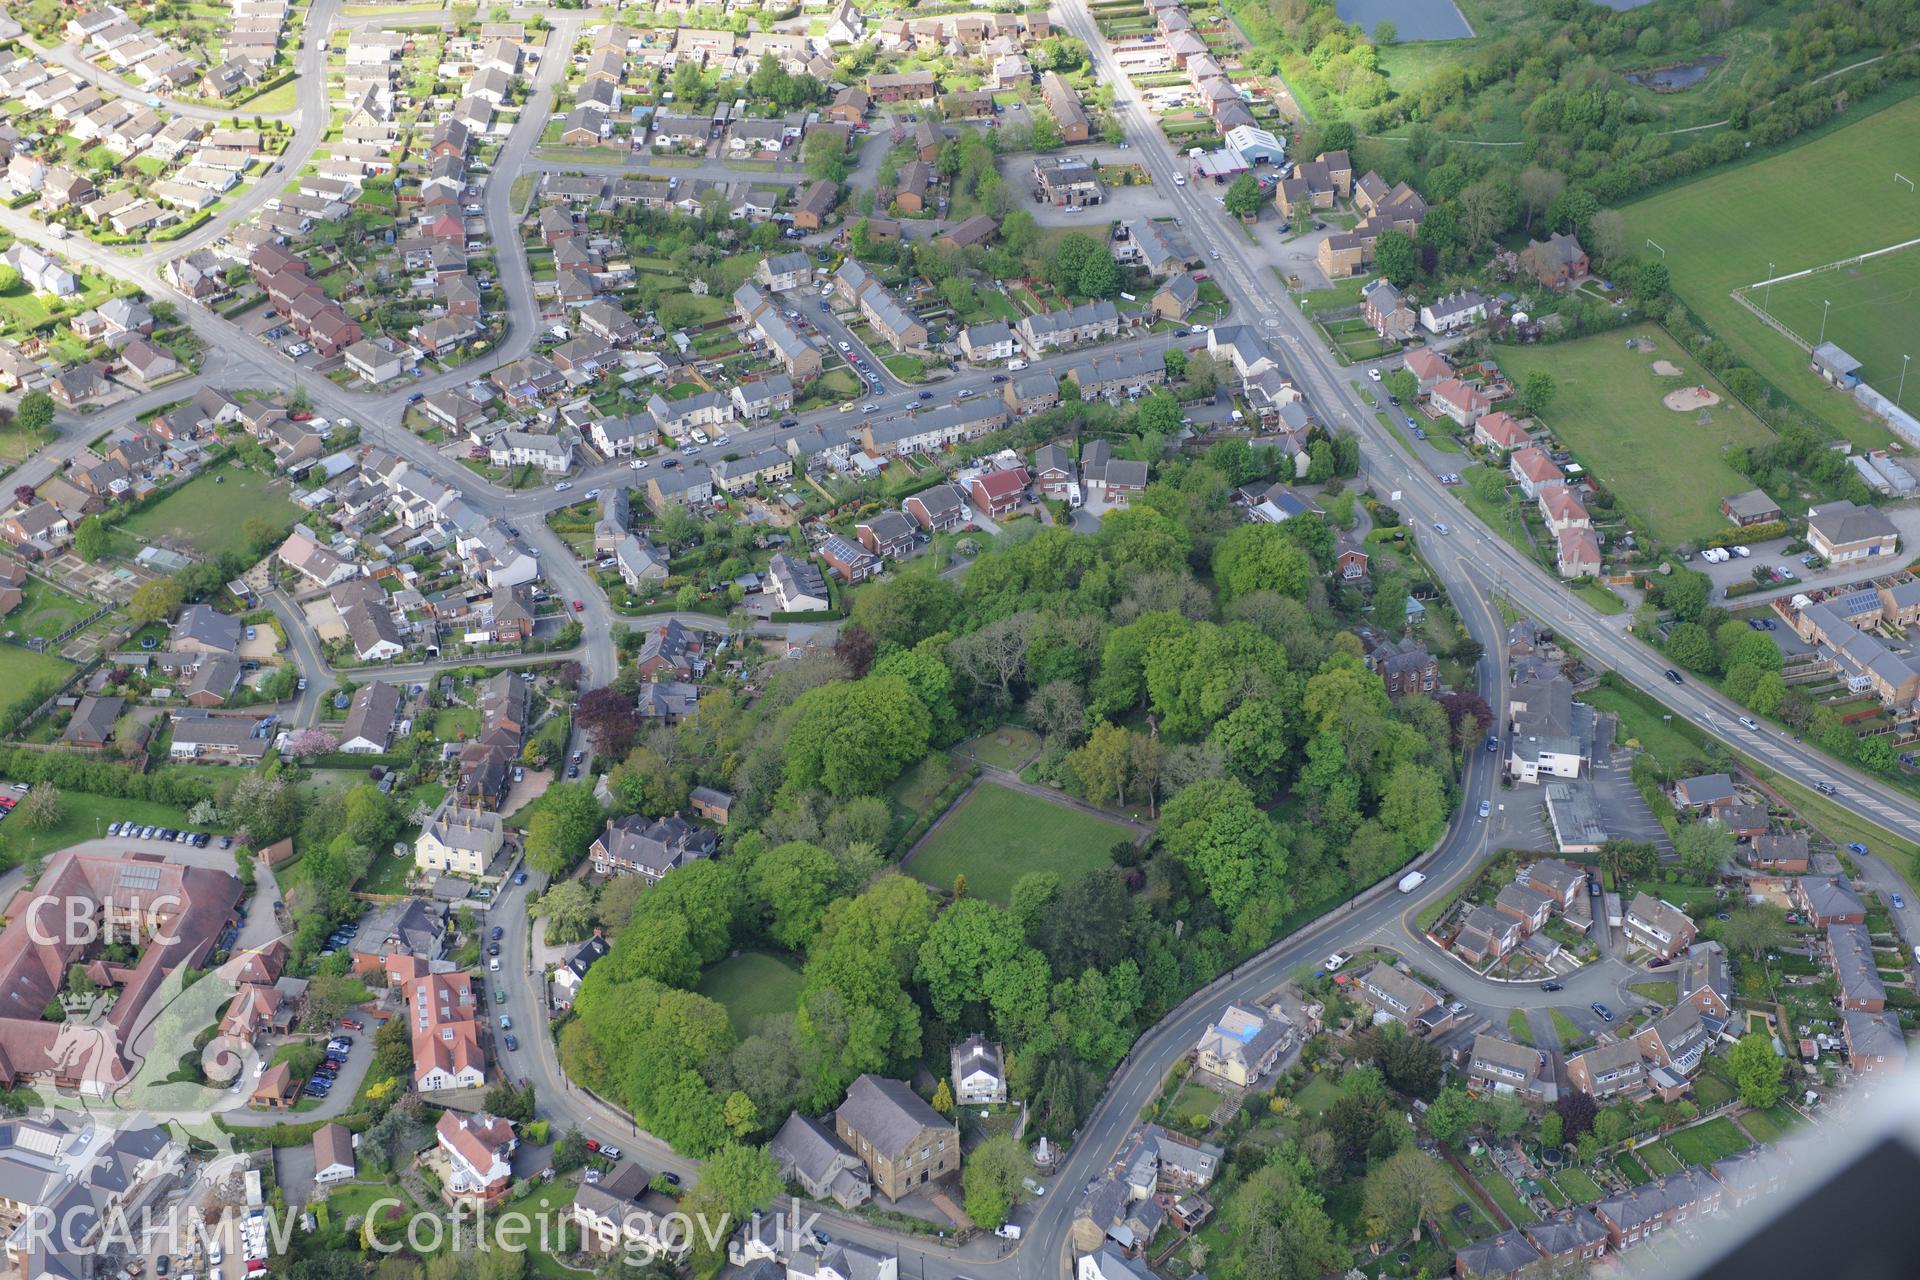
(1243, 1046)
(1555, 262)
(797, 586)
(572, 970)
(1609, 1071)
(1454, 312)
(1500, 430)
(1386, 311)
(888, 534)
(1876, 1043)
(1396, 994)
(1460, 401)
(459, 841)
(1501, 1066)
(370, 720)
(1784, 853)
(978, 1071)
(479, 1153)
(938, 509)
(649, 847)
(1856, 975)
(1827, 900)
(999, 492)
(1658, 926)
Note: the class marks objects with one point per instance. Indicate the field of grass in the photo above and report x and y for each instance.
(210, 518)
(1566, 1029)
(83, 817)
(1192, 1101)
(1717, 1139)
(19, 668)
(1659, 738)
(1722, 231)
(997, 834)
(1668, 470)
(1507, 1198)
(751, 985)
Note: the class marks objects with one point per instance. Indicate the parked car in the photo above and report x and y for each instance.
(1606, 1014)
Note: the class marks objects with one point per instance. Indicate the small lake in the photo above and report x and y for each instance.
(1411, 19)
(1682, 75)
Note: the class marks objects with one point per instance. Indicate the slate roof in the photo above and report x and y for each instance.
(887, 1113)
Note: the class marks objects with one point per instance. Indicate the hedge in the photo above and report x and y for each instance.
(353, 760)
(1748, 533)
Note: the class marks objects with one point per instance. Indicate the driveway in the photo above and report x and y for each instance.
(293, 1169)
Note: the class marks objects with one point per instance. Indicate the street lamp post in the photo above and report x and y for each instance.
(1904, 360)
(1766, 304)
(1826, 304)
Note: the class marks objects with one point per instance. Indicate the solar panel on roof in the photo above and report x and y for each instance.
(139, 878)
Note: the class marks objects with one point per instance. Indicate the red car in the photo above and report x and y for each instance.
(579, 606)
(352, 1024)
(593, 1144)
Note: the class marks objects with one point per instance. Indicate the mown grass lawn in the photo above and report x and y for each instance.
(751, 985)
(1717, 1139)
(1668, 469)
(1579, 1184)
(209, 512)
(997, 834)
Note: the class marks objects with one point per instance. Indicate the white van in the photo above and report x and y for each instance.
(1016, 365)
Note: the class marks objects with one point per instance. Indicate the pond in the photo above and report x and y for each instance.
(1679, 76)
(1411, 19)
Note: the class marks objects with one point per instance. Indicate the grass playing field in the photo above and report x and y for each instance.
(997, 835)
(751, 985)
(19, 667)
(209, 518)
(1720, 233)
(1875, 311)
(1667, 470)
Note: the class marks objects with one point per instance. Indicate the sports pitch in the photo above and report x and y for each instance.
(1830, 199)
(1875, 316)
